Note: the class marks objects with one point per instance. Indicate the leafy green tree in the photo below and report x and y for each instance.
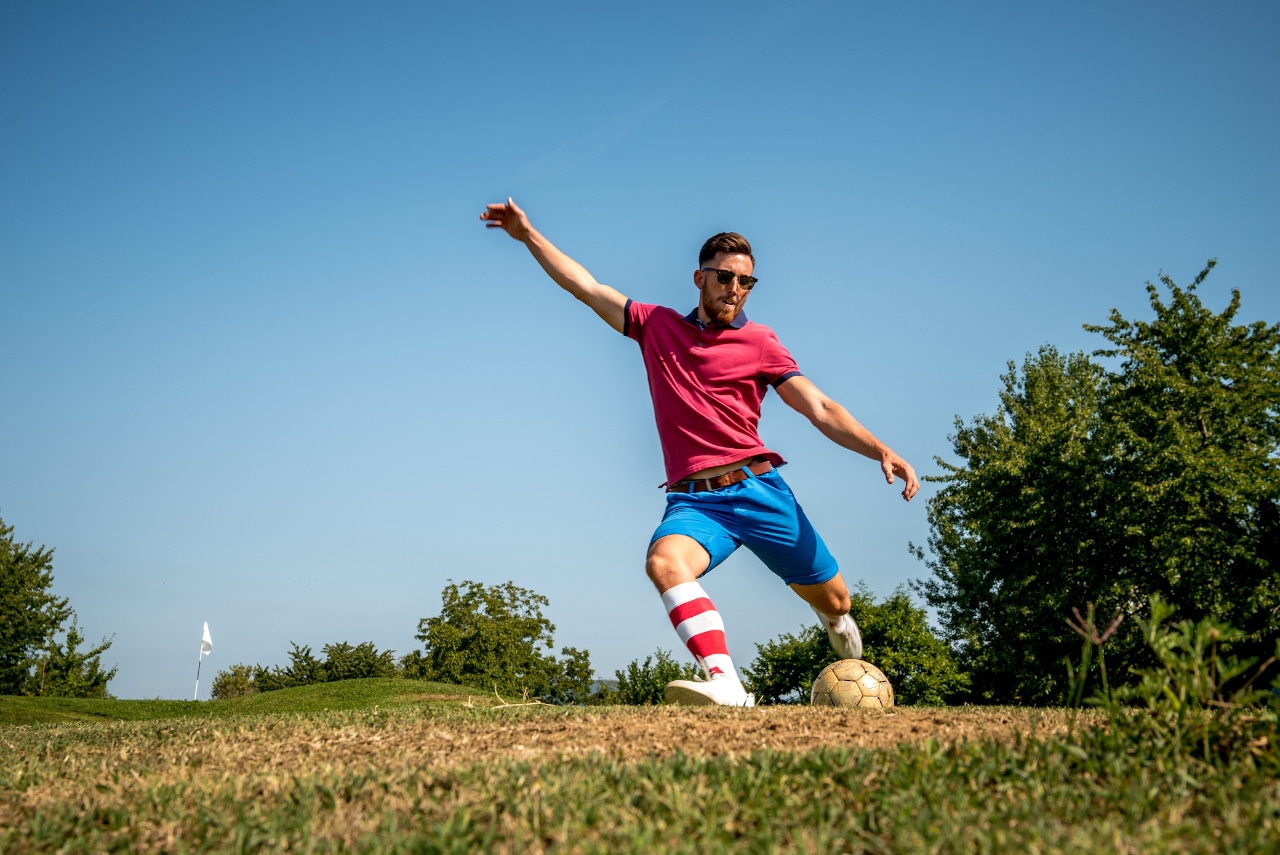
(32, 660)
(1019, 531)
(496, 638)
(64, 671)
(896, 638)
(1194, 466)
(30, 615)
(1154, 472)
(641, 684)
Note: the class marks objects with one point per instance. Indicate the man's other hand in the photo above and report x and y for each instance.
(894, 465)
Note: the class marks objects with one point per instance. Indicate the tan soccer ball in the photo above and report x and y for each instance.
(852, 683)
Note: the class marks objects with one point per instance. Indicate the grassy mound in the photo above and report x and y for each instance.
(341, 695)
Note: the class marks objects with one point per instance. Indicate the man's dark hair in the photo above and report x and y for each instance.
(730, 242)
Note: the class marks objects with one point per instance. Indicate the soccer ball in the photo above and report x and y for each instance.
(852, 683)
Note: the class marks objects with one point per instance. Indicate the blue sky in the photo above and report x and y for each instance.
(264, 367)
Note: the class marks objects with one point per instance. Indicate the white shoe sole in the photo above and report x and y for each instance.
(690, 694)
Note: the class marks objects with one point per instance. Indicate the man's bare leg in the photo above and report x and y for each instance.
(830, 602)
(830, 598)
(674, 564)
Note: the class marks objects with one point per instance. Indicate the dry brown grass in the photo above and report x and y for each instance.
(97, 761)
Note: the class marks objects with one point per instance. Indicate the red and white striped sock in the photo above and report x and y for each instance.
(699, 626)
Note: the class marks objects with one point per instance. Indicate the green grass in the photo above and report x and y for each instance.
(343, 695)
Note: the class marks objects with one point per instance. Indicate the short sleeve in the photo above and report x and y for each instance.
(634, 317)
(776, 362)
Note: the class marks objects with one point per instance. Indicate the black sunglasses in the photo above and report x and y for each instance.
(725, 277)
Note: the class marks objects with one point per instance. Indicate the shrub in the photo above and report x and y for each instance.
(896, 638)
(642, 684)
(235, 682)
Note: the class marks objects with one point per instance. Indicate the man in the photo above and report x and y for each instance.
(708, 373)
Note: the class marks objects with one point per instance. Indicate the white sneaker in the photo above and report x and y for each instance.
(725, 692)
(845, 638)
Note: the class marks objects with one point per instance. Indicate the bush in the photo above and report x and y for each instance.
(341, 662)
(235, 682)
(896, 638)
(642, 684)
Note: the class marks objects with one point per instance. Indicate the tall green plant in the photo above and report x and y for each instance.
(1199, 702)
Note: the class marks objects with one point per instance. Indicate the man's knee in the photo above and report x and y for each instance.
(830, 597)
(673, 560)
(840, 603)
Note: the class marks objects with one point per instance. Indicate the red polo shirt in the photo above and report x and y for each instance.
(707, 383)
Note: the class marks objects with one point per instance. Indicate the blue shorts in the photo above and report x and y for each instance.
(760, 513)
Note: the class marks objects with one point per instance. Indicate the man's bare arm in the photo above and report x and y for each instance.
(606, 302)
(840, 427)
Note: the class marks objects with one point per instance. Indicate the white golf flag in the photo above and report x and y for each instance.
(206, 643)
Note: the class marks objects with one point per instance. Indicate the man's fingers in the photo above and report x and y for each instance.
(913, 484)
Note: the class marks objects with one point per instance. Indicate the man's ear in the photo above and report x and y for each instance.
(698, 279)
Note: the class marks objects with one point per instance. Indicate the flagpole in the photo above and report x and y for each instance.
(195, 695)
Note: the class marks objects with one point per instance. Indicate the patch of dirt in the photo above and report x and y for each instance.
(632, 734)
(436, 737)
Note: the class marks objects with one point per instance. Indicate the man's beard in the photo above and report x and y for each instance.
(718, 312)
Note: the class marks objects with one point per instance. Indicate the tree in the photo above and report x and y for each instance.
(63, 671)
(1155, 475)
(895, 638)
(32, 661)
(1194, 466)
(496, 638)
(30, 615)
(1015, 530)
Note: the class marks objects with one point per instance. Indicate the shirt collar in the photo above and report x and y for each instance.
(737, 323)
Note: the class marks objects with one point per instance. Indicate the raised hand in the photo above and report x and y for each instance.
(508, 217)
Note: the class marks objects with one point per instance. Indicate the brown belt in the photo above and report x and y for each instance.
(758, 467)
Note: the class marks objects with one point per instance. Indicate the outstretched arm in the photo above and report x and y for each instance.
(606, 302)
(843, 429)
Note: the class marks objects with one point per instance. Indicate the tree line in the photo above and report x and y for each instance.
(496, 639)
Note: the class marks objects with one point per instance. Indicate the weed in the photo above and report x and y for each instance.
(1198, 704)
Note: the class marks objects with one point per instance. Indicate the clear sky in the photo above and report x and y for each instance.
(263, 366)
